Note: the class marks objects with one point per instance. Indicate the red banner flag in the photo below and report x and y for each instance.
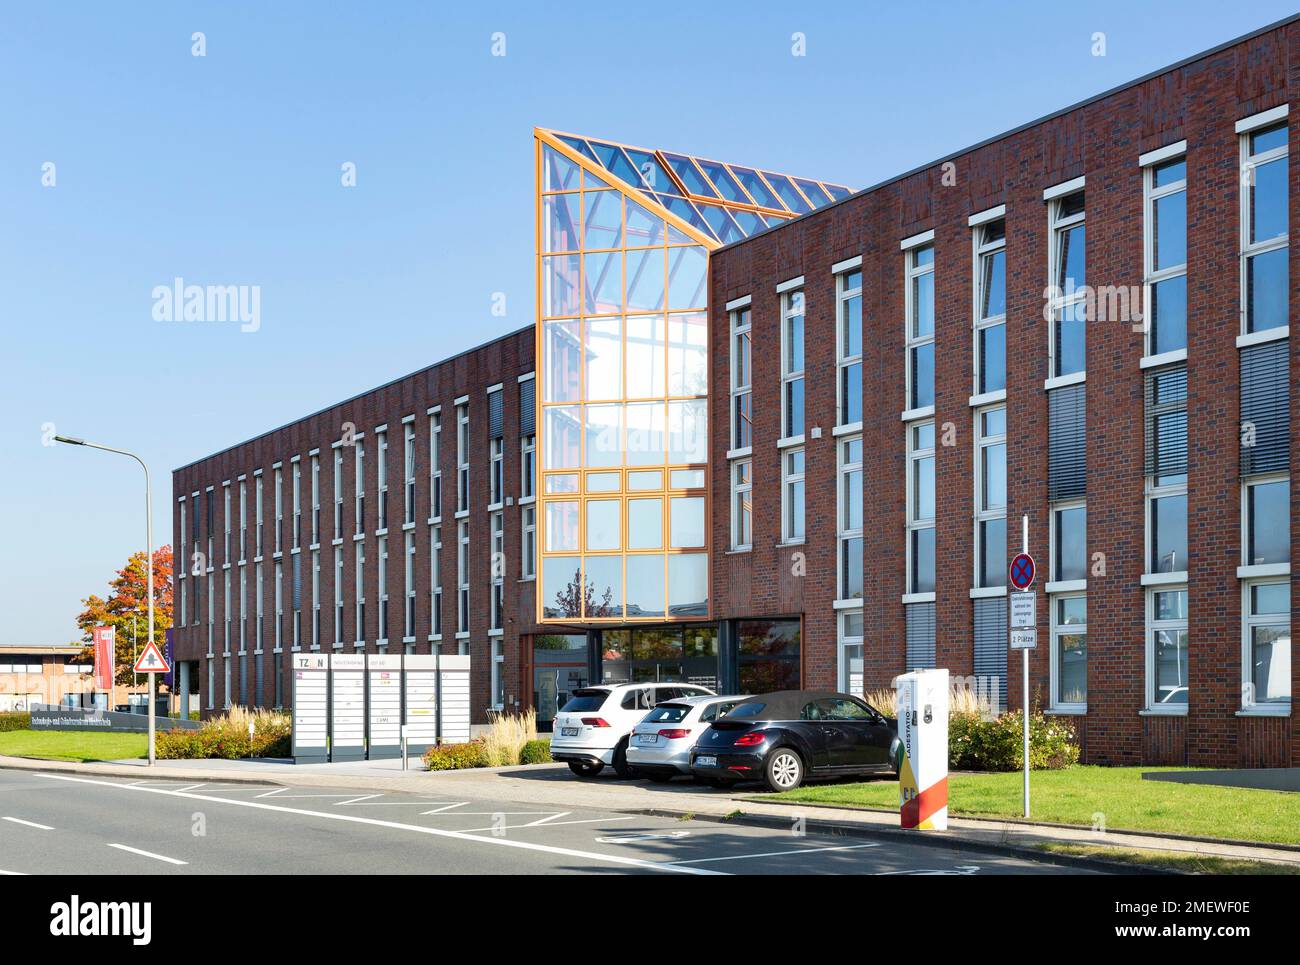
(103, 638)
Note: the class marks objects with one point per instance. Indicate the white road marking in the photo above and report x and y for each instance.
(148, 854)
(21, 874)
(642, 836)
(398, 826)
(29, 824)
(445, 807)
(553, 824)
(558, 814)
(190, 787)
(364, 797)
(278, 790)
(776, 854)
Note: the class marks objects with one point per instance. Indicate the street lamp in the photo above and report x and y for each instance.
(148, 539)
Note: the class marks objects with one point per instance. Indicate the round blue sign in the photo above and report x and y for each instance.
(1022, 571)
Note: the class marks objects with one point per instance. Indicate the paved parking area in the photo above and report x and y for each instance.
(56, 823)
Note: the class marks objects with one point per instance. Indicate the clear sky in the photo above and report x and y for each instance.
(225, 169)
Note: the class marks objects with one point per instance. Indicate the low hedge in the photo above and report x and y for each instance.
(454, 757)
(272, 737)
(536, 752)
(979, 744)
(15, 720)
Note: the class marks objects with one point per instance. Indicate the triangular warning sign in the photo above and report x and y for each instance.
(151, 660)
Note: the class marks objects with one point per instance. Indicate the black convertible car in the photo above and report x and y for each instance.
(785, 737)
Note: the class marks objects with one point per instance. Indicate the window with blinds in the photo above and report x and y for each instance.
(991, 647)
(920, 636)
(496, 415)
(1067, 443)
(1265, 436)
(1165, 394)
(528, 407)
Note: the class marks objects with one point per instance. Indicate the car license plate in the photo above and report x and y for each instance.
(706, 762)
(647, 738)
(568, 732)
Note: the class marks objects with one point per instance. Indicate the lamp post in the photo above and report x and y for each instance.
(148, 539)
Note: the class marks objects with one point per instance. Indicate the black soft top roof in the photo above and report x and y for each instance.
(781, 704)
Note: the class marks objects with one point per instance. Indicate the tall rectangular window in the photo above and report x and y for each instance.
(462, 577)
(1267, 511)
(257, 606)
(338, 596)
(360, 595)
(279, 506)
(920, 327)
(225, 500)
(1264, 228)
(338, 492)
(296, 497)
(742, 505)
(359, 487)
(742, 399)
(850, 519)
(435, 466)
(1166, 469)
(528, 546)
(1069, 542)
(498, 570)
(462, 458)
(258, 515)
(991, 496)
(1069, 655)
(1067, 294)
(408, 467)
(315, 500)
(1167, 650)
(848, 300)
(851, 641)
(383, 589)
(792, 356)
(381, 468)
(408, 581)
(792, 495)
(225, 610)
(991, 307)
(435, 581)
(527, 466)
(279, 604)
(920, 507)
(1165, 284)
(315, 598)
(243, 521)
(496, 472)
(1266, 645)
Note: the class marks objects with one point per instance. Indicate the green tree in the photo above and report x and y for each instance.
(128, 599)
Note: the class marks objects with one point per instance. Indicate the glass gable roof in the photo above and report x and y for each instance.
(723, 201)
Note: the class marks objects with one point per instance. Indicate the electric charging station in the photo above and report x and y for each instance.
(923, 750)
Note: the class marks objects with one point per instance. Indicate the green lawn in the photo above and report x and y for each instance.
(72, 745)
(1085, 795)
(1195, 864)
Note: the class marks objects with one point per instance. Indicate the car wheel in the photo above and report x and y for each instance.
(783, 770)
(621, 766)
(585, 768)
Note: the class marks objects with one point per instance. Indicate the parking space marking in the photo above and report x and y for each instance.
(363, 797)
(642, 836)
(555, 824)
(148, 854)
(445, 807)
(399, 826)
(961, 869)
(278, 790)
(539, 821)
(28, 824)
(775, 854)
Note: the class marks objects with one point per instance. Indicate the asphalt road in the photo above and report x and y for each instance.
(68, 824)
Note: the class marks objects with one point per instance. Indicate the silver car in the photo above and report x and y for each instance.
(661, 743)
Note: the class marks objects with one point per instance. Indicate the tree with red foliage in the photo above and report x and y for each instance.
(129, 598)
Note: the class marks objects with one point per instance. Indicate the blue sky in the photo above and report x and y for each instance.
(225, 169)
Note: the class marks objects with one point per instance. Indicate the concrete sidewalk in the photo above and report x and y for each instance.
(553, 784)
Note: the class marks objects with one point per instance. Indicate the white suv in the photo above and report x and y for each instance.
(592, 729)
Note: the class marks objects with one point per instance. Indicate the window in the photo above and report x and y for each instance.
(296, 601)
(435, 580)
(315, 500)
(381, 469)
(527, 467)
(792, 387)
(225, 496)
(528, 547)
(1167, 650)
(1068, 297)
(1069, 657)
(851, 639)
(243, 522)
(1166, 468)
(792, 495)
(742, 506)
(383, 589)
(279, 603)
(991, 307)
(257, 514)
(243, 610)
(338, 493)
(462, 577)
(1264, 229)
(498, 570)
(920, 327)
(1165, 285)
(225, 612)
(315, 598)
(435, 466)
(296, 497)
(1266, 645)
(360, 595)
(496, 472)
(338, 596)
(742, 399)
(991, 497)
(1069, 542)
(359, 486)
(920, 508)
(408, 464)
(850, 519)
(1267, 508)
(849, 356)
(462, 458)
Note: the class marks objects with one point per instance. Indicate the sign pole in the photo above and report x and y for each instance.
(1024, 658)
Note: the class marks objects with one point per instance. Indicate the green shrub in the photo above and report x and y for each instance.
(452, 757)
(979, 744)
(226, 737)
(15, 721)
(536, 752)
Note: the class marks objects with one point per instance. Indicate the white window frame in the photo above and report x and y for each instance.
(1058, 298)
(408, 463)
(338, 596)
(742, 332)
(296, 500)
(844, 470)
(843, 360)
(527, 467)
(243, 521)
(1249, 249)
(1260, 480)
(1150, 277)
(793, 305)
(1154, 492)
(435, 582)
(498, 673)
(741, 493)
(1054, 508)
(790, 479)
(435, 467)
(982, 250)
(359, 486)
(381, 474)
(359, 596)
(528, 542)
(225, 500)
(462, 459)
(1249, 621)
(315, 499)
(257, 513)
(315, 599)
(338, 492)
(497, 616)
(382, 587)
(982, 515)
(913, 270)
(462, 578)
(258, 603)
(496, 473)
(279, 603)
(913, 522)
(1059, 630)
(843, 642)
(1152, 626)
